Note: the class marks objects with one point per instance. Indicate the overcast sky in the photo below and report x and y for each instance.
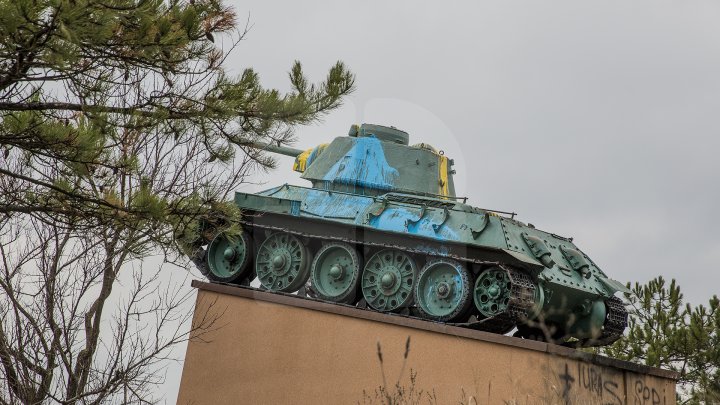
(592, 119)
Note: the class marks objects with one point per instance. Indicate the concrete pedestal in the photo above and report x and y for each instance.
(265, 348)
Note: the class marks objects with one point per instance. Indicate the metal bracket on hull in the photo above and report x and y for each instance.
(378, 212)
(538, 249)
(476, 232)
(576, 260)
(446, 215)
(423, 210)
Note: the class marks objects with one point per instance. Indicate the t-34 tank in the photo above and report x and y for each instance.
(381, 228)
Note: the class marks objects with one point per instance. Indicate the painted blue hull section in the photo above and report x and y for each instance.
(354, 209)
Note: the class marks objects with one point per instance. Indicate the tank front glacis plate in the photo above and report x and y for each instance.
(591, 280)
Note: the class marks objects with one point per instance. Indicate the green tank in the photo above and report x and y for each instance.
(381, 228)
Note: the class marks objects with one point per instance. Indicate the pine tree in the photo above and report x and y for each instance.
(121, 135)
(84, 82)
(665, 332)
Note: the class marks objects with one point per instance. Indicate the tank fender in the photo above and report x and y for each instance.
(267, 203)
(530, 263)
(614, 285)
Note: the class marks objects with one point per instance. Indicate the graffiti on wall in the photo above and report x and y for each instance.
(586, 380)
(646, 395)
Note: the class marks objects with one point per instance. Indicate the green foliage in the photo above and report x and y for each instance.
(122, 131)
(666, 332)
(121, 112)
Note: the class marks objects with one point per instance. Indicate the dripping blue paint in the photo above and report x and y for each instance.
(364, 165)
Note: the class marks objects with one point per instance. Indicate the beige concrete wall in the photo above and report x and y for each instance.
(269, 353)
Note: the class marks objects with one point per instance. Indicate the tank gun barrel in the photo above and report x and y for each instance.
(282, 150)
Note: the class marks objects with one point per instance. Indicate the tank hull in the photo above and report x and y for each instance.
(441, 228)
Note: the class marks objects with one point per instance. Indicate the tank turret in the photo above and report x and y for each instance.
(381, 228)
(371, 160)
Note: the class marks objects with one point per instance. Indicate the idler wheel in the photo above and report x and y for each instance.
(443, 290)
(388, 280)
(336, 272)
(283, 263)
(228, 257)
(492, 292)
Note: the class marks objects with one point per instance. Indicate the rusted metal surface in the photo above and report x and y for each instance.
(417, 323)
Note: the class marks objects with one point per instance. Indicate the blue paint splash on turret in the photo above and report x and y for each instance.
(364, 165)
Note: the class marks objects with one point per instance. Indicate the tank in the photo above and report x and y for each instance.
(380, 228)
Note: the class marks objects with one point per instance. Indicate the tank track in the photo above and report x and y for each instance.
(616, 321)
(522, 300)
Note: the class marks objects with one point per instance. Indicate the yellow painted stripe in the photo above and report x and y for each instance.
(307, 157)
(444, 188)
(301, 160)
